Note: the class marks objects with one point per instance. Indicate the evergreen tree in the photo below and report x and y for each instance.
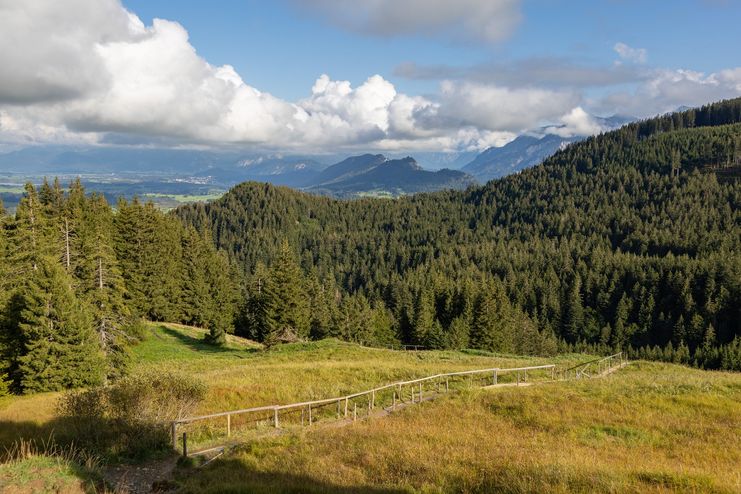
(424, 316)
(60, 348)
(491, 328)
(573, 318)
(287, 296)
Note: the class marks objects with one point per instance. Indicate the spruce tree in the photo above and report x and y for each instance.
(573, 317)
(103, 286)
(60, 347)
(491, 328)
(424, 316)
(286, 292)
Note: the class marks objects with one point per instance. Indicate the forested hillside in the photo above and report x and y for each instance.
(630, 240)
(76, 279)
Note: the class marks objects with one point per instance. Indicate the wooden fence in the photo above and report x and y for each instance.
(600, 366)
(412, 391)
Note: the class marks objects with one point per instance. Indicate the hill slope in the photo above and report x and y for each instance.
(525, 151)
(626, 239)
(369, 173)
(635, 431)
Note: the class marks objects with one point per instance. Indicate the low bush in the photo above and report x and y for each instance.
(130, 418)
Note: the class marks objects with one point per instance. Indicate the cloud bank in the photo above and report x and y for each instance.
(483, 20)
(90, 71)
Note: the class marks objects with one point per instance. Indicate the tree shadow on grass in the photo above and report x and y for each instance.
(200, 345)
(49, 439)
(235, 476)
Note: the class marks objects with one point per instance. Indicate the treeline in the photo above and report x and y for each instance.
(626, 240)
(77, 280)
(284, 303)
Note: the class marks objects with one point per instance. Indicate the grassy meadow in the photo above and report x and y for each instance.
(648, 427)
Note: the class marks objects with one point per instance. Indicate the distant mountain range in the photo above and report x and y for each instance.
(374, 173)
(526, 151)
(322, 174)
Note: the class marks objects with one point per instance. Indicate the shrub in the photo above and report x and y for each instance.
(132, 417)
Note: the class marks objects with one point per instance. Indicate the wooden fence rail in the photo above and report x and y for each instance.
(415, 388)
(601, 365)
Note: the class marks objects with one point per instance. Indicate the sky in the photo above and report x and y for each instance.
(329, 76)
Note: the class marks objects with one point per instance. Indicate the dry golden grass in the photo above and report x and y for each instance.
(647, 428)
(242, 375)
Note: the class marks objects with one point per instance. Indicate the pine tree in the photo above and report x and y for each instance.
(103, 285)
(286, 292)
(491, 328)
(424, 316)
(194, 296)
(223, 295)
(459, 333)
(260, 317)
(60, 348)
(573, 317)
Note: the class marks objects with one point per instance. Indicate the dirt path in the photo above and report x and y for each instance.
(153, 476)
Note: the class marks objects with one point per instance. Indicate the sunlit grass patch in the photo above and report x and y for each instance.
(647, 428)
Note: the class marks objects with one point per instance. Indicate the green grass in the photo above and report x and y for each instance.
(241, 376)
(43, 474)
(185, 198)
(647, 428)
(26, 468)
(12, 189)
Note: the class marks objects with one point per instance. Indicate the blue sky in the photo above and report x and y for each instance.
(319, 76)
(282, 48)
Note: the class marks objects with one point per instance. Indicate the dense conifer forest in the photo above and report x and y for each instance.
(76, 280)
(628, 240)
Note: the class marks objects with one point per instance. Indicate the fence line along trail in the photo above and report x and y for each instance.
(389, 397)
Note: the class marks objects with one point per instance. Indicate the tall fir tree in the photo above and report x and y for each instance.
(287, 294)
(492, 326)
(60, 347)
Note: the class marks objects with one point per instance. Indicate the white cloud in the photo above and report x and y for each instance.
(487, 20)
(577, 122)
(499, 108)
(669, 89)
(90, 71)
(629, 54)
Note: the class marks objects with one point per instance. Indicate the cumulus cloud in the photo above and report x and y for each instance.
(577, 122)
(668, 89)
(501, 108)
(629, 54)
(90, 71)
(486, 20)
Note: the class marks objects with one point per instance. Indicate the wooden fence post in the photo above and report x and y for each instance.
(310, 417)
(338, 409)
(496, 377)
(373, 399)
(346, 400)
(354, 412)
(420, 392)
(228, 425)
(185, 444)
(447, 384)
(275, 418)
